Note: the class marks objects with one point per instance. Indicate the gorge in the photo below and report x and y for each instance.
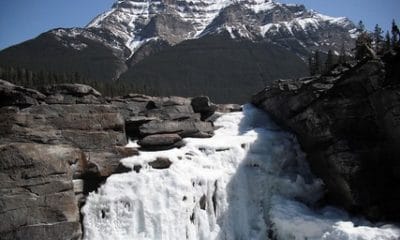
(197, 119)
(244, 178)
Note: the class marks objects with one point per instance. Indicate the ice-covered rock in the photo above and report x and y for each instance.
(249, 181)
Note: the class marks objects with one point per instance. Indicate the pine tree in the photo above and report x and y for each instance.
(12, 75)
(311, 65)
(29, 78)
(395, 35)
(378, 39)
(2, 71)
(363, 47)
(329, 61)
(41, 78)
(360, 27)
(342, 55)
(77, 77)
(317, 62)
(387, 42)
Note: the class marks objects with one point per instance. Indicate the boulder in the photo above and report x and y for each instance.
(160, 163)
(174, 112)
(132, 106)
(71, 94)
(160, 141)
(73, 89)
(12, 95)
(347, 123)
(182, 128)
(132, 125)
(203, 105)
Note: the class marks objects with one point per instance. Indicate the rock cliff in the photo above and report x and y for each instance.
(59, 144)
(347, 122)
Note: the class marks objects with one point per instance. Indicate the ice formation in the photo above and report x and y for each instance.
(249, 181)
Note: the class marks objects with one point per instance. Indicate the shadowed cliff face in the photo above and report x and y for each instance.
(348, 124)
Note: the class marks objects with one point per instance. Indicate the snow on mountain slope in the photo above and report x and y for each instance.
(131, 23)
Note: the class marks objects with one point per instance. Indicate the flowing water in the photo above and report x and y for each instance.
(249, 181)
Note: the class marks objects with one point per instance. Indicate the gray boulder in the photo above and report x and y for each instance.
(203, 105)
(174, 112)
(74, 89)
(182, 128)
(160, 163)
(160, 141)
(72, 94)
(12, 95)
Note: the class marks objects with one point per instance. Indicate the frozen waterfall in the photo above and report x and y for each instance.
(249, 181)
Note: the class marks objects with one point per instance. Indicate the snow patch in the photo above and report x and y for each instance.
(95, 23)
(354, 33)
(78, 46)
(307, 23)
(132, 144)
(266, 28)
(261, 5)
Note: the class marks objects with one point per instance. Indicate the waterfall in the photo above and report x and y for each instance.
(249, 181)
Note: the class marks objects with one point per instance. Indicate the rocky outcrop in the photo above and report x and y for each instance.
(37, 198)
(203, 106)
(183, 129)
(72, 94)
(59, 144)
(160, 123)
(48, 142)
(347, 122)
(18, 96)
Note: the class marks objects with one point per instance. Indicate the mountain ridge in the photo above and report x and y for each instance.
(255, 20)
(113, 43)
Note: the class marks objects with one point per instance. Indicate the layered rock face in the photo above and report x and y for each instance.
(49, 143)
(348, 124)
(61, 143)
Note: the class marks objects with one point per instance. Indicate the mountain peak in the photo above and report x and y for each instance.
(133, 23)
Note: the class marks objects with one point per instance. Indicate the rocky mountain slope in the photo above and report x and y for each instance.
(347, 122)
(117, 40)
(133, 23)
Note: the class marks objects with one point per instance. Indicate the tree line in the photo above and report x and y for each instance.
(367, 45)
(36, 80)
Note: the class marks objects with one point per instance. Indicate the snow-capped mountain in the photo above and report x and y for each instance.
(132, 23)
(188, 47)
